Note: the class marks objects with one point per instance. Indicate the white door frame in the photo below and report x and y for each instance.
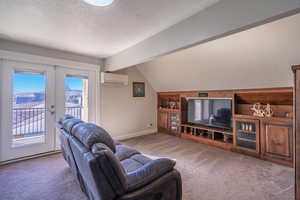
(7, 152)
(61, 74)
(93, 69)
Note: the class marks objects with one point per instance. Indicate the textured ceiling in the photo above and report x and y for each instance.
(75, 26)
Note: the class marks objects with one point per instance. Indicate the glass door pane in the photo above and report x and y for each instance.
(28, 109)
(76, 97)
(246, 134)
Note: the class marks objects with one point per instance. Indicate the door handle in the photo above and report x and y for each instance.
(51, 109)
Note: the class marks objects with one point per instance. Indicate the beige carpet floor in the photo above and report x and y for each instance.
(208, 173)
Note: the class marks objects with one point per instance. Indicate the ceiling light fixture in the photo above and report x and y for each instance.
(99, 2)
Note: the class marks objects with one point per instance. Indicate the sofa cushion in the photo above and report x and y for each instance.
(134, 162)
(149, 172)
(90, 134)
(123, 152)
(68, 124)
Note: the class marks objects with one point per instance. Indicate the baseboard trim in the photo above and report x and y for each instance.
(29, 157)
(121, 137)
(136, 134)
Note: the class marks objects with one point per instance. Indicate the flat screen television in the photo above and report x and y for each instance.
(210, 112)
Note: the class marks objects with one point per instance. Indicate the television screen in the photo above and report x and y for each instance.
(210, 112)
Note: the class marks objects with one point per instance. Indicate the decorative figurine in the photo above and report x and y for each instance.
(257, 110)
(262, 111)
(172, 104)
(247, 127)
(268, 111)
(250, 127)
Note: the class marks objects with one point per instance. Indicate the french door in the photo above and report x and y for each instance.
(33, 97)
(75, 95)
(27, 109)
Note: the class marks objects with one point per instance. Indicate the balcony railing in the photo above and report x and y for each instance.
(74, 111)
(30, 122)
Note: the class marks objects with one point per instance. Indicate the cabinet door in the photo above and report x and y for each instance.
(247, 135)
(277, 140)
(163, 120)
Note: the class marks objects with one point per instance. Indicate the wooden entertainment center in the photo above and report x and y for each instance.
(269, 138)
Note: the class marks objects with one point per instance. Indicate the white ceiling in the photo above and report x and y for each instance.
(72, 25)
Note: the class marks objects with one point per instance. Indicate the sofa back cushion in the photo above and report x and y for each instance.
(95, 181)
(89, 134)
(111, 167)
(68, 124)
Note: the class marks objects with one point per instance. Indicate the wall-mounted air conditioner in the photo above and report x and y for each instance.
(114, 79)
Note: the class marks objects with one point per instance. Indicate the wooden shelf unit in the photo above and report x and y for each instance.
(296, 127)
(281, 101)
(169, 116)
(273, 134)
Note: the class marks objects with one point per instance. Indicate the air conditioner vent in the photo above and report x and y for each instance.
(114, 79)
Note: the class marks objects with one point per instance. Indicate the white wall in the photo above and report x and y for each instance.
(257, 58)
(121, 114)
(124, 116)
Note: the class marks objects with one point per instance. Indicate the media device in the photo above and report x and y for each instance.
(201, 94)
(210, 112)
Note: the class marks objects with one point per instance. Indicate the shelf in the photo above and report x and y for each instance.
(285, 119)
(207, 140)
(248, 132)
(247, 140)
(168, 110)
(227, 132)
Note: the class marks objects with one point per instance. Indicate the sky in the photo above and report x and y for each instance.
(24, 83)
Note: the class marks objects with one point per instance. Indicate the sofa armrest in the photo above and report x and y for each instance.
(149, 173)
(167, 187)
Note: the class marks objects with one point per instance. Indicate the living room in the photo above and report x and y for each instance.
(145, 99)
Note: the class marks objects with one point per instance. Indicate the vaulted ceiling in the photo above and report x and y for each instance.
(260, 57)
(75, 26)
(130, 32)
